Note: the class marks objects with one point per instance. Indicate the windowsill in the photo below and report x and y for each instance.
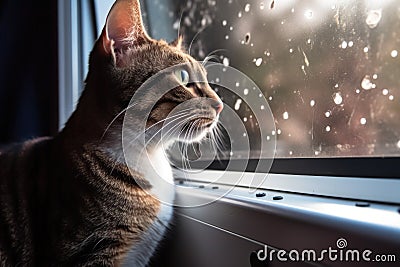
(365, 189)
(297, 221)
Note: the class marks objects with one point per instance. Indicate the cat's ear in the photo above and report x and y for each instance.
(124, 26)
(178, 42)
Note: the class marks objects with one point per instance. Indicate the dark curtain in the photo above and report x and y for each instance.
(28, 69)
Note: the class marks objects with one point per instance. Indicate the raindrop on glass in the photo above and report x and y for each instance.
(385, 91)
(344, 45)
(224, 23)
(366, 49)
(259, 61)
(373, 18)
(363, 121)
(328, 128)
(285, 115)
(337, 98)
(237, 104)
(327, 114)
(262, 107)
(247, 38)
(312, 103)
(391, 97)
(225, 61)
(247, 8)
(394, 53)
(308, 14)
(246, 91)
(366, 83)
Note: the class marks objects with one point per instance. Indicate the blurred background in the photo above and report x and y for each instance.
(28, 69)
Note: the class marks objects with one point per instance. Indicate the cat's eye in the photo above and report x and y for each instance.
(183, 76)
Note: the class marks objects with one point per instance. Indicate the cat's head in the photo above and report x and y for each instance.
(125, 57)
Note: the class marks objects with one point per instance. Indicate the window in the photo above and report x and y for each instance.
(326, 69)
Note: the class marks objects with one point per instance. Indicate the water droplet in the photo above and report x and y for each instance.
(398, 144)
(344, 45)
(224, 23)
(292, 10)
(290, 50)
(327, 114)
(312, 103)
(285, 115)
(247, 8)
(245, 119)
(237, 104)
(231, 153)
(385, 91)
(259, 61)
(316, 153)
(231, 28)
(394, 53)
(366, 83)
(290, 153)
(268, 137)
(270, 98)
(363, 121)
(246, 91)
(260, 95)
(351, 44)
(217, 80)
(375, 76)
(308, 14)
(262, 6)
(244, 134)
(203, 22)
(366, 49)
(226, 37)
(262, 107)
(337, 98)
(391, 97)
(358, 91)
(273, 133)
(373, 18)
(328, 128)
(247, 38)
(309, 41)
(225, 61)
(240, 14)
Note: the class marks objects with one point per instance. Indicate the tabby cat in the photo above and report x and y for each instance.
(71, 200)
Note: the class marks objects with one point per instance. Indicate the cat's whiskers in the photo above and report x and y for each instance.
(154, 125)
(211, 55)
(194, 38)
(168, 133)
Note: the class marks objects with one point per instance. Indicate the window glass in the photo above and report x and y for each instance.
(328, 69)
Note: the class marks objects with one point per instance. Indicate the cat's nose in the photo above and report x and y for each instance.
(218, 106)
